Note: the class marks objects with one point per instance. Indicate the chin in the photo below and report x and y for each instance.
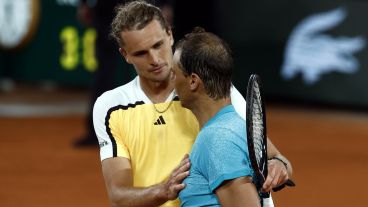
(164, 75)
(184, 105)
(181, 101)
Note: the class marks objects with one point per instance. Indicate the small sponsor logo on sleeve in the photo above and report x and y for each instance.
(104, 143)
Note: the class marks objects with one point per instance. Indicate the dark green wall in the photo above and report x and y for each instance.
(40, 60)
(258, 32)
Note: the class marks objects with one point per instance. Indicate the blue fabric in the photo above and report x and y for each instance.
(219, 153)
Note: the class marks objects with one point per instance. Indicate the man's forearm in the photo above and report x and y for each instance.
(272, 151)
(138, 197)
(122, 192)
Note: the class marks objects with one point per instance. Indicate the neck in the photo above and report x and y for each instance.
(157, 91)
(207, 108)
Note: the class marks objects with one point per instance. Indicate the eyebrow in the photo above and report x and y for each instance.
(141, 52)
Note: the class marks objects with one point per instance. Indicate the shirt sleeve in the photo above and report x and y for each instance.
(107, 131)
(224, 157)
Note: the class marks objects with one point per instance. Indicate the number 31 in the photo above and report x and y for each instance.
(70, 57)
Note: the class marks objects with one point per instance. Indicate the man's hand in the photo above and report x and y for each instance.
(277, 175)
(174, 184)
(118, 176)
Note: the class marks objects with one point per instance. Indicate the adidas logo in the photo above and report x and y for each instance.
(160, 121)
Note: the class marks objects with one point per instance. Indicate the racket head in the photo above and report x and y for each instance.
(256, 131)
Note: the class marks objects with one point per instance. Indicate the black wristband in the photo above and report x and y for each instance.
(279, 159)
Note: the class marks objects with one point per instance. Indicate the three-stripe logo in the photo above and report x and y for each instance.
(160, 121)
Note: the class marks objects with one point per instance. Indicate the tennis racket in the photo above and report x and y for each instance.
(257, 135)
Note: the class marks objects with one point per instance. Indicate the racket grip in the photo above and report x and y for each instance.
(289, 183)
(263, 195)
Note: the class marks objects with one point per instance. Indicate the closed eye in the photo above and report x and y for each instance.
(140, 53)
(158, 44)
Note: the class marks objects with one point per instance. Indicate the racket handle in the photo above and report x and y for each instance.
(263, 195)
(289, 183)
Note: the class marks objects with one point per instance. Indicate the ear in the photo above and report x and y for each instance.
(194, 82)
(171, 37)
(124, 54)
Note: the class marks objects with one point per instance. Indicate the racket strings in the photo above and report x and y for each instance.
(258, 126)
(256, 132)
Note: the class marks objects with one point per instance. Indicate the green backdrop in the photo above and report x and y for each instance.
(61, 50)
(258, 31)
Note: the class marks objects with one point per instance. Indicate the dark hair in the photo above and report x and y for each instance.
(135, 15)
(210, 57)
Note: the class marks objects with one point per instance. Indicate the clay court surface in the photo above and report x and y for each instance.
(40, 168)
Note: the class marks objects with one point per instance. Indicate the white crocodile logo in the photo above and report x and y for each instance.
(313, 53)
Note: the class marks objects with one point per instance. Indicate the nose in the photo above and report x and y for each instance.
(153, 58)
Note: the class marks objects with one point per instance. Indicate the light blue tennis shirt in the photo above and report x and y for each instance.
(219, 153)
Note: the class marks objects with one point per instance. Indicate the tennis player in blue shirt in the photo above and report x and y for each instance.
(220, 174)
